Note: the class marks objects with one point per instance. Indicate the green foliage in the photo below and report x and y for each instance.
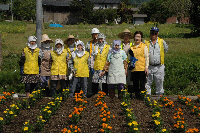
(195, 15)
(83, 9)
(17, 27)
(180, 74)
(125, 13)
(156, 11)
(9, 75)
(25, 9)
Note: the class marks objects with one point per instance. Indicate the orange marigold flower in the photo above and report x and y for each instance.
(95, 105)
(104, 125)
(104, 119)
(102, 130)
(109, 127)
(108, 117)
(178, 117)
(70, 116)
(182, 118)
(12, 92)
(71, 126)
(182, 126)
(101, 115)
(174, 117)
(113, 116)
(108, 112)
(75, 131)
(69, 131)
(79, 129)
(192, 110)
(75, 127)
(105, 114)
(64, 130)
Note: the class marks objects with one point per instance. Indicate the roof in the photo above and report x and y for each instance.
(135, 9)
(106, 1)
(68, 2)
(56, 2)
(139, 15)
(4, 7)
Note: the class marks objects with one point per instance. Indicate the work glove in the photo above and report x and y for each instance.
(21, 70)
(92, 70)
(131, 64)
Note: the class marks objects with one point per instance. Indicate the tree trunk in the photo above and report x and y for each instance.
(1, 55)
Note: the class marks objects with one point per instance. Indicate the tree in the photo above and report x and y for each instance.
(179, 8)
(195, 15)
(156, 11)
(25, 9)
(125, 13)
(83, 9)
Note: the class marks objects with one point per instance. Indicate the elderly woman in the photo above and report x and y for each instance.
(98, 62)
(116, 66)
(59, 68)
(126, 35)
(29, 66)
(140, 71)
(70, 43)
(79, 62)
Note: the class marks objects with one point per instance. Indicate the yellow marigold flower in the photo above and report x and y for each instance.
(13, 105)
(63, 89)
(49, 111)
(26, 123)
(164, 130)
(7, 109)
(43, 120)
(1, 119)
(45, 110)
(129, 115)
(40, 117)
(15, 115)
(61, 98)
(130, 124)
(142, 91)
(11, 112)
(135, 123)
(135, 128)
(30, 95)
(156, 122)
(25, 128)
(67, 89)
(4, 112)
(17, 107)
(29, 107)
(33, 99)
(47, 107)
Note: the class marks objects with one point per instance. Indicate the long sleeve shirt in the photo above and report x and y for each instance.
(154, 52)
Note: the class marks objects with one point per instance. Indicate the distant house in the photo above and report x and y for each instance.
(173, 19)
(139, 18)
(58, 10)
(104, 4)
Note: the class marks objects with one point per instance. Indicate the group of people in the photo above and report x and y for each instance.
(95, 65)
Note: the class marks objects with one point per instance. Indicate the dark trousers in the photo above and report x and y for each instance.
(29, 87)
(54, 84)
(95, 87)
(139, 79)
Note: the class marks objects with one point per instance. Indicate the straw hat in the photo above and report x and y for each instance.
(126, 31)
(45, 38)
(69, 37)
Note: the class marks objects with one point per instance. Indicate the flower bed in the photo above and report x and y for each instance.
(90, 119)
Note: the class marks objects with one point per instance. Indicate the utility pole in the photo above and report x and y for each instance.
(39, 14)
(11, 10)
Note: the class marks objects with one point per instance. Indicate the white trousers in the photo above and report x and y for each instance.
(157, 74)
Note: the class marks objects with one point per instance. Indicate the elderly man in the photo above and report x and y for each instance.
(90, 47)
(157, 47)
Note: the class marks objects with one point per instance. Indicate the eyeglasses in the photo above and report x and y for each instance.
(154, 33)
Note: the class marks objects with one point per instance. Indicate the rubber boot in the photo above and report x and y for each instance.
(119, 94)
(112, 93)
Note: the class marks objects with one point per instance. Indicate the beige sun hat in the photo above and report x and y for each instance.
(45, 38)
(69, 37)
(126, 31)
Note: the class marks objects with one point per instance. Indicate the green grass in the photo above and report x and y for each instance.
(182, 60)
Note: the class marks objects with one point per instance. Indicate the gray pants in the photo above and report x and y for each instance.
(75, 80)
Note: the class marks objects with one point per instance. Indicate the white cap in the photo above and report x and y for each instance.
(32, 38)
(79, 42)
(95, 30)
(59, 41)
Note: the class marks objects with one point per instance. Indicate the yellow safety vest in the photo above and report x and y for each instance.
(100, 59)
(59, 65)
(160, 42)
(122, 45)
(81, 64)
(139, 54)
(31, 62)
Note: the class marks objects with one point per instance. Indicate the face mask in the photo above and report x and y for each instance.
(59, 50)
(32, 46)
(46, 45)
